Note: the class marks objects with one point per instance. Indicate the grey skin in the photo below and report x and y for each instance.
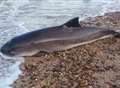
(58, 38)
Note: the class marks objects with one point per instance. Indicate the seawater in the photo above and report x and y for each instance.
(21, 16)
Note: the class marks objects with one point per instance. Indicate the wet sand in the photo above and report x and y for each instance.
(94, 65)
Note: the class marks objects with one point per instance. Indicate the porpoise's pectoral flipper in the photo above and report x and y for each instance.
(72, 23)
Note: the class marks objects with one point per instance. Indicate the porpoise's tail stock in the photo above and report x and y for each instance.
(114, 33)
(75, 23)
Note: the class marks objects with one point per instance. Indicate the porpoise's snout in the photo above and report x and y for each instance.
(7, 48)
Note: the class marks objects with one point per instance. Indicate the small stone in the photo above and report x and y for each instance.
(83, 83)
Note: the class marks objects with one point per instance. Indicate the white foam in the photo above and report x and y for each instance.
(9, 67)
(9, 71)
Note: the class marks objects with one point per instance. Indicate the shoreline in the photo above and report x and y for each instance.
(94, 65)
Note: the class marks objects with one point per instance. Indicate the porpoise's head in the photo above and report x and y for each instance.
(23, 45)
(18, 47)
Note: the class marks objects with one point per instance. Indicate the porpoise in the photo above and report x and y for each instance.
(58, 38)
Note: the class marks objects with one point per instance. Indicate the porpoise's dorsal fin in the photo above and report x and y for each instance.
(72, 23)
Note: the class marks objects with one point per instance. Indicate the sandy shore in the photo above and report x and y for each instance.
(95, 65)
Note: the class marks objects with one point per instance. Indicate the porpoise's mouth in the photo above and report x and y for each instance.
(5, 52)
(6, 49)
